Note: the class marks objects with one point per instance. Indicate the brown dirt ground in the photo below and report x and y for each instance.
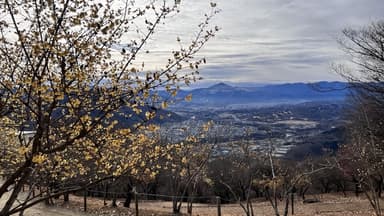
(329, 205)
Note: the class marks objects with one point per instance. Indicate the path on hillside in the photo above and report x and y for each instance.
(41, 209)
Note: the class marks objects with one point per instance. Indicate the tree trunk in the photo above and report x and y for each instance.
(286, 208)
(114, 203)
(128, 199)
(105, 194)
(12, 198)
(189, 206)
(175, 206)
(357, 186)
(357, 189)
(250, 204)
(273, 201)
(66, 197)
(293, 203)
(379, 185)
(304, 191)
(11, 179)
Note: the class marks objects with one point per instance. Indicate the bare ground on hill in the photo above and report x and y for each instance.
(329, 205)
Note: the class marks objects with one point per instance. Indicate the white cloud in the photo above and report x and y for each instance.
(269, 40)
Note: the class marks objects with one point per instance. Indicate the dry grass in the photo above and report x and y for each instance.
(330, 204)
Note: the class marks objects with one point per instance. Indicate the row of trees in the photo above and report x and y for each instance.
(241, 176)
(357, 164)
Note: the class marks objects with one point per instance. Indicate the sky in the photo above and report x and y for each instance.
(268, 41)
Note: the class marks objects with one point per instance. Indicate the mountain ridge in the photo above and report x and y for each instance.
(222, 94)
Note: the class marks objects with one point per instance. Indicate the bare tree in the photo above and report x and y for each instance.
(285, 176)
(363, 154)
(365, 128)
(238, 170)
(366, 49)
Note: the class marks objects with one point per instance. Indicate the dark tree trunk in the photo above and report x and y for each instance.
(189, 206)
(66, 197)
(105, 194)
(176, 210)
(379, 183)
(357, 186)
(286, 208)
(304, 191)
(357, 189)
(128, 199)
(114, 203)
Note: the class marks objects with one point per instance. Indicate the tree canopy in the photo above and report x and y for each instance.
(68, 75)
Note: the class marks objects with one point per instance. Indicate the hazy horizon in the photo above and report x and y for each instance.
(207, 84)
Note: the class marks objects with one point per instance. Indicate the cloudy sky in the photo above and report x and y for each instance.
(271, 40)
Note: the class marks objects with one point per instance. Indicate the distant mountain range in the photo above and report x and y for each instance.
(222, 95)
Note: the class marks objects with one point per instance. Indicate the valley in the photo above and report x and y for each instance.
(293, 129)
